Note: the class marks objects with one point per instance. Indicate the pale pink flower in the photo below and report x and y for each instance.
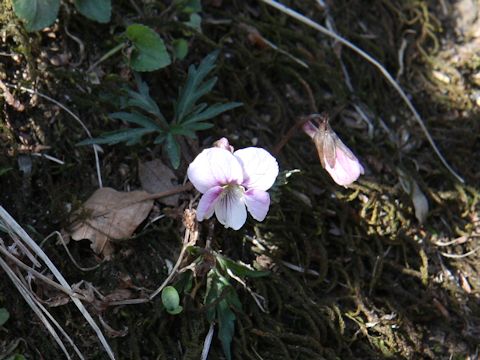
(231, 183)
(342, 165)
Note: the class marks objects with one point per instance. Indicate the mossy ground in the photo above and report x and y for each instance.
(384, 285)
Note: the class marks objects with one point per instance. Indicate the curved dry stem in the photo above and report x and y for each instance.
(375, 63)
(11, 224)
(34, 305)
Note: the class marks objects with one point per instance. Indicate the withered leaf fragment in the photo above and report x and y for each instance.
(110, 215)
(156, 177)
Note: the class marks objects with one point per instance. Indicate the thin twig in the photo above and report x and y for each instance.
(189, 239)
(370, 59)
(48, 157)
(283, 141)
(459, 256)
(60, 237)
(46, 97)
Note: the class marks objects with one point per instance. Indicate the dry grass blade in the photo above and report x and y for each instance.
(375, 63)
(189, 239)
(33, 305)
(13, 226)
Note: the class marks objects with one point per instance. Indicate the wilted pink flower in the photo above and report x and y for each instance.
(223, 144)
(342, 165)
(231, 183)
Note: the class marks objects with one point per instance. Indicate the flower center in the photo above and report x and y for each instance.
(233, 191)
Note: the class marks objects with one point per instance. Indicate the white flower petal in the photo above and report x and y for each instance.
(258, 202)
(346, 169)
(213, 167)
(230, 208)
(207, 202)
(260, 169)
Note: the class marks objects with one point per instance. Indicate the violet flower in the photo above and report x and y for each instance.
(342, 165)
(231, 183)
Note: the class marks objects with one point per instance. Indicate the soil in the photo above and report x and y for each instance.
(355, 273)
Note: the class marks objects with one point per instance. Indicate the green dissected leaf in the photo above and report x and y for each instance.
(173, 150)
(187, 112)
(239, 269)
(4, 316)
(199, 126)
(130, 136)
(136, 118)
(189, 6)
(5, 170)
(160, 138)
(142, 99)
(16, 357)
(149, 51)
(195, 22)
(97, 10)
(195, 77)
(198, 108)
(180, 48)
(176, 130)
(37, 14)
(210, 112)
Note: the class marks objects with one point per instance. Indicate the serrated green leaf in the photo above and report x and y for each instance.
(149, 51)
(180, 48)
(211, 112)
(131, 136)
(239, 269)
(194, 80)
(4, 316)
(173, 150)
(97, 10)
(36, 14)
(170, 298)
(136, 118)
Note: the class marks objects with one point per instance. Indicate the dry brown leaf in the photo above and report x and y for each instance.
(110, 215)
(156, 177)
